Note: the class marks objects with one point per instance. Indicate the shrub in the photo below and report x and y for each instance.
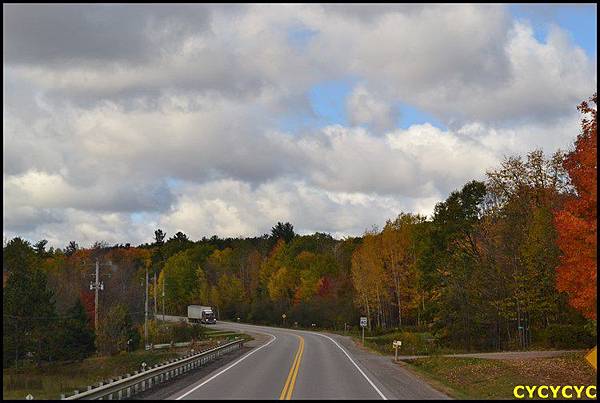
(116, 331)
(412, 343)
(187, 332)
(566, 336)
(173, 332)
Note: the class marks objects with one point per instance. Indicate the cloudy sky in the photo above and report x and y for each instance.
(224, 119)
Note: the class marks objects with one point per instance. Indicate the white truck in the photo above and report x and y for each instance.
(201, 314)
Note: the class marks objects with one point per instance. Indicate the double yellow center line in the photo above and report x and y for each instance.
(288, 389)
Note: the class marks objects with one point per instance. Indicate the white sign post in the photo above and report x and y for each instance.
(396, 344)
(363, 324)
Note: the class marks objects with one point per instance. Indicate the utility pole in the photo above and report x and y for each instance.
(155, 292)
(163, 296)
(97, 286)
(146, 312)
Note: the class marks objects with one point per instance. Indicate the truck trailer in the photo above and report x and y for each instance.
(201, 314)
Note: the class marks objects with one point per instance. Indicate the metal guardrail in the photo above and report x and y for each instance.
(171, 318)
(126, 386)
(170, 345)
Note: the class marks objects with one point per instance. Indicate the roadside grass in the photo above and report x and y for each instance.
(413, 343)
(425, 343)
(229, 336)
(49, 381)
(475, 378)
(216, 334)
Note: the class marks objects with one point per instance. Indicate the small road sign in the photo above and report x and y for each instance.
(363, 324)
(396, 344)
(29, 397)
(592, 358)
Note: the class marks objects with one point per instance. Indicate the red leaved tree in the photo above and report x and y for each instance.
(576, 221)
(87, 299)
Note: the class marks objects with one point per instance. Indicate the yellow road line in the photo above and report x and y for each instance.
(288, 389)
(293, 383)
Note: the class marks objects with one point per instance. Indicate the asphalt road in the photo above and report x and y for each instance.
(294, 364)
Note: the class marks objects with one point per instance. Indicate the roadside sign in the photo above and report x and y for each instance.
(363, 324)
(29, 397)
(592, 357)
(283, 316)
(397, 344)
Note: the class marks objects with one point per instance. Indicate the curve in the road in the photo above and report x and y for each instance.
(308, 365)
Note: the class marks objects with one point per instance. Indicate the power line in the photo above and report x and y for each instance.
(56, 316)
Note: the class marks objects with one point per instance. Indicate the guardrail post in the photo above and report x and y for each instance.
(123, 388)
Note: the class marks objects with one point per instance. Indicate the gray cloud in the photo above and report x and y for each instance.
(101, 33)
(174, 113)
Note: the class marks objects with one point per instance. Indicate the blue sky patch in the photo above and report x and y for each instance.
(328, 100)
(579, 20)
(410, 115)
(300, 36)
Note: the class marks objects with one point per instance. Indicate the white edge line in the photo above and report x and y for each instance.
(357, 367)
(229, 367)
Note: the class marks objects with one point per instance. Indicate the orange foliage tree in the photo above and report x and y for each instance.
(87, 299)
(576, 221)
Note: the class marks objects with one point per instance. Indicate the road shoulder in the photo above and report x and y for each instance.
(397, 380)
(168, 389)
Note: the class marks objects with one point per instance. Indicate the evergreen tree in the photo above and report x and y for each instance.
(283, 231)
(78, 336)
(28, 306)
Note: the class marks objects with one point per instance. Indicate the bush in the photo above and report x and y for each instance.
(116, 331)
(566, 336)
(412, 343)
(186, 332)
(161, 332)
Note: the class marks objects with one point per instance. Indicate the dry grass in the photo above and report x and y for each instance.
(474, 378)
(49, 381)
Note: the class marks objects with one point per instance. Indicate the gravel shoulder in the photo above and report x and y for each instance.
(403, 384)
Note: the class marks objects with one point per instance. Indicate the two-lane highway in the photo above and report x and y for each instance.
(291, 364)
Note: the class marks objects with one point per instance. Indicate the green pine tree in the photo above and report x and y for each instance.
(78, 337)
(28, 306)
